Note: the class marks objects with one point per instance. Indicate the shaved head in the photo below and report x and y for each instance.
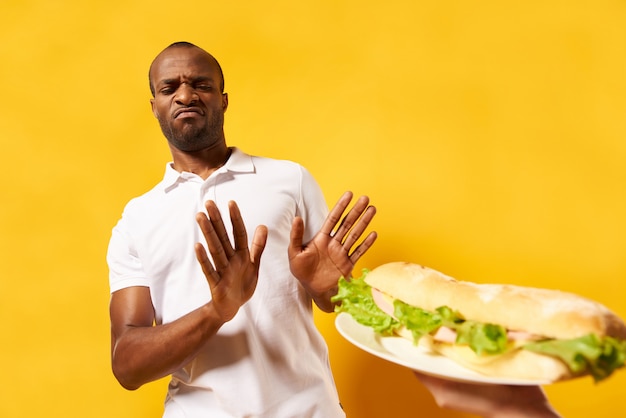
(183, 44)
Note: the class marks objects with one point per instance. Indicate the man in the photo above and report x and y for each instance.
(236, 333)
(237, 346)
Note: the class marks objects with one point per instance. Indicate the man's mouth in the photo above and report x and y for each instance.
(187, 112)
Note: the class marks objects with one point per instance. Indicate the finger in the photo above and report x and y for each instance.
(357, 228)
(363, 247)
(259, 240)
(296, 236)
(334, 216)
(213, 241)
(220, 229)
(351, 218)
(239, 229)
(258, 245)
(207, 267)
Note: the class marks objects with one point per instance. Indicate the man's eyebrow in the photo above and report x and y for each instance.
(202, 78)
(197, 79)
(168, 81)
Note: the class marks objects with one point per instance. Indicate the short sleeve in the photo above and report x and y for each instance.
(125, 268)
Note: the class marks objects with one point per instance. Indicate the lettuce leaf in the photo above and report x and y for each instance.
(483, 338)
(597, 356)
(356, 299)
(416, 320)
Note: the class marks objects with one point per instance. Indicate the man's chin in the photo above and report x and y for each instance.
(193, 144)
(191, 135)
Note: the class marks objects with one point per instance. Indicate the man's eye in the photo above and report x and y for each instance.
(167, 91)
(203, 87)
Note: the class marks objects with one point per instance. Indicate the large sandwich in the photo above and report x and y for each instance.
(497, 330)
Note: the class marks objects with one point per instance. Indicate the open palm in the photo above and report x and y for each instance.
(234, 272)
(320, 263)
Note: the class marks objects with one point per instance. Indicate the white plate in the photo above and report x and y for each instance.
(403, 352)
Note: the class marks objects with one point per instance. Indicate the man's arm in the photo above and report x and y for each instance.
(320, 263)
(142, 352)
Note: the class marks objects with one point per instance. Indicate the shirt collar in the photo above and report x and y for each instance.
(238, 162)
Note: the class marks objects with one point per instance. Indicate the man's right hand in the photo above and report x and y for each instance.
(234, 272)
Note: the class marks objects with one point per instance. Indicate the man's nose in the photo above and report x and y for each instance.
(186, 94)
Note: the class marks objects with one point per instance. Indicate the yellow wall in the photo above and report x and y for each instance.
(490, 135)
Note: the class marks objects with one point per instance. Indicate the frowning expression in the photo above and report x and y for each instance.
(188, 99)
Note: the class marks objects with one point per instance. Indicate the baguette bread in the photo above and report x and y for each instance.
(545, 312)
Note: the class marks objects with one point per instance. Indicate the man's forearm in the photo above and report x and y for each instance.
(144, 354)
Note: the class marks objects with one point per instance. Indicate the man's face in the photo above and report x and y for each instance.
(188, 102)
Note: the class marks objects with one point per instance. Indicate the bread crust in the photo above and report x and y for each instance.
(544, 312)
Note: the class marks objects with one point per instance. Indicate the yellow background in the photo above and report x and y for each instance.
(489, 134)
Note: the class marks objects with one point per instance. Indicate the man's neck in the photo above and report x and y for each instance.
(202, 163)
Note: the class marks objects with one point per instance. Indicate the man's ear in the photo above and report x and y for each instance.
(153, 108)
(224, 101)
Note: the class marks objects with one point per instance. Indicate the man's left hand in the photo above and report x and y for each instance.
(320, 263)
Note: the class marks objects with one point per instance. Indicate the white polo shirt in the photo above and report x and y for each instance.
(269, 360)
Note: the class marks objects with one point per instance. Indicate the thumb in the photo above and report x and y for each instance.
(296, 236)
(258, 245)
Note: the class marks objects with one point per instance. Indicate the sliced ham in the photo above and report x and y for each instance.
(445, 334)
(385, 303)
(522, 336)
